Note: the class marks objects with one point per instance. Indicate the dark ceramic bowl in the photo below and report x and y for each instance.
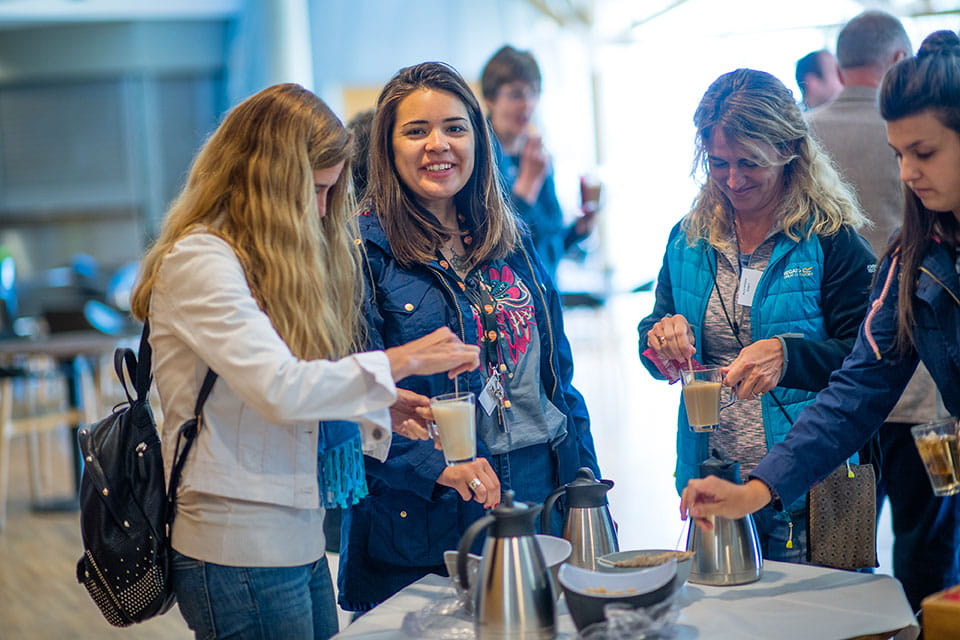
(588, 592)
(683, 567)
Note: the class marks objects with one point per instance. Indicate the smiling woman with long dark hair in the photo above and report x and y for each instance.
(444, 250)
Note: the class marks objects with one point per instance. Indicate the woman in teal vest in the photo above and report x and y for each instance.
(766, 277)
(914, 317)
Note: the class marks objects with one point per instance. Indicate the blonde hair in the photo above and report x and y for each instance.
(754, 109)
(251, 184)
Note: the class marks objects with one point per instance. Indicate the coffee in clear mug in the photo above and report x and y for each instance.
(702, 398)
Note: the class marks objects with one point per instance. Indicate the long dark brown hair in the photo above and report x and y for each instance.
(414, 233)
(930, 82)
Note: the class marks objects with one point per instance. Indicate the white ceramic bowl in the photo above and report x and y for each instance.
(555, 552)
(450, 561)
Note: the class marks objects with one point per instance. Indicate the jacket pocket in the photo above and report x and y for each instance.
(411, 311)
(410, 532)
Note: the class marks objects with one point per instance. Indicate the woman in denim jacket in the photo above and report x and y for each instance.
(445, 251)
(914, 315)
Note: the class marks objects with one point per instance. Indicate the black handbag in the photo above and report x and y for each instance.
(842, 519)
(125, 513)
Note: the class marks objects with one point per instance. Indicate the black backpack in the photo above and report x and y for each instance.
(125, 513)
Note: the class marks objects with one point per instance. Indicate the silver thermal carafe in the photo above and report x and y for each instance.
(588, 525)
(729, 553)
(514, 595)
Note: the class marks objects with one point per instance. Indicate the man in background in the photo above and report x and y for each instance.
(853, 133)
(818, 78)
(510, 82)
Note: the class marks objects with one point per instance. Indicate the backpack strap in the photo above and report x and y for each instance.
(187, 434)
(144, 375)
(125, 357)
(137, 367)
(205, 390)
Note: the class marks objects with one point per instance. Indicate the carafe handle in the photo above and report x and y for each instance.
(548, 509)
(464, 549)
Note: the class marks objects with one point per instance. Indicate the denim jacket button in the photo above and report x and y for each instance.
(408, 306)
(403, 514)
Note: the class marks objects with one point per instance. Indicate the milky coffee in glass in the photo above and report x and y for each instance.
(702, 390)
(455, 417)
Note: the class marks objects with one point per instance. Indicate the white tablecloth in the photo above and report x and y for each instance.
(789, 602)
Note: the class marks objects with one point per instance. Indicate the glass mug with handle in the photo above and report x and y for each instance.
(455, 418)
(702, 396)
(937, 444)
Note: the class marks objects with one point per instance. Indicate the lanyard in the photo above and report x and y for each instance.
(481, 299)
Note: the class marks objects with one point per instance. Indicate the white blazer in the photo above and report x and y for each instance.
(258, 443)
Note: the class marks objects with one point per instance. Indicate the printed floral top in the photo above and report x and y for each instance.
(515, 410)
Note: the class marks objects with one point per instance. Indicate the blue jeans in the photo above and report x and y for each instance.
(531, 473)
(774, 532)
(255, 603)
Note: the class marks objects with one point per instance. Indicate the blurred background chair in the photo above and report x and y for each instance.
(35, 404)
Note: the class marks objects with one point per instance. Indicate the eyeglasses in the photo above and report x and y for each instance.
(517, 94)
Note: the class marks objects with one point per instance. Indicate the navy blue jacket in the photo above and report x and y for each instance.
(399, 532)
(864, 390)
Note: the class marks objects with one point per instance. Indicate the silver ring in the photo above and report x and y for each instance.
(661, 340)
(475, 484)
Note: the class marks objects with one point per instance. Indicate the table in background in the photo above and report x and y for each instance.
(790, 601)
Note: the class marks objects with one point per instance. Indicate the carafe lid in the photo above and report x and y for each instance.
(721, 466)
(512, 519)
(586, 492)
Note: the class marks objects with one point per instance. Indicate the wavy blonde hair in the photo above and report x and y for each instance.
(754, 109)
(251, 184)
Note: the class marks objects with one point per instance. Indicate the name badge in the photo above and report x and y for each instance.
(488, 396)
(748, 286)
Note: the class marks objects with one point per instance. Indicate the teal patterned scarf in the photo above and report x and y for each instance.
(340, 468)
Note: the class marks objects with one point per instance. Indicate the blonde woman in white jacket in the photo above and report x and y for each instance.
(255, 276)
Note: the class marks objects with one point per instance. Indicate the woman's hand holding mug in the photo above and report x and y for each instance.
(411, 415)
(473, 481)
(756, 369)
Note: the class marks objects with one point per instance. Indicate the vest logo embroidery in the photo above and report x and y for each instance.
(798, 272)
